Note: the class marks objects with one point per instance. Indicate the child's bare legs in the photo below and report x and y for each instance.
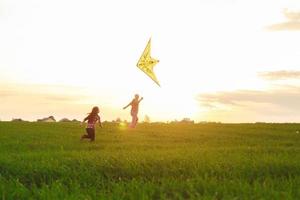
(90, 134)
(84, 137)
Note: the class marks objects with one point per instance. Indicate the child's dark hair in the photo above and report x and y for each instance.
(94, 112)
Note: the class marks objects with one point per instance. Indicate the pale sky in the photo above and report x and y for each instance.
(220, 60)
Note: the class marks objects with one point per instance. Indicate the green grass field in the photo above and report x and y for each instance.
(154, 161)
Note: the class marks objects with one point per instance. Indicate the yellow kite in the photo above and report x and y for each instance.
(146, 63)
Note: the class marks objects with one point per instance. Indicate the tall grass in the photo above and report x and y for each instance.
(154, 161)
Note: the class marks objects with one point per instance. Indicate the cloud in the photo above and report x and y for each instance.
(6, 93)
(294, 16)
(280, 75)
(285, 26)
(293, 23)
(57, 98)
(42, 93)
(35, 101)
(284, 98)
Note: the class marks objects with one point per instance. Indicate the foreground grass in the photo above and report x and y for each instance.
(154, 161)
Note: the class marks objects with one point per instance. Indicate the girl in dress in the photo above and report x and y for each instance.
(91, 119)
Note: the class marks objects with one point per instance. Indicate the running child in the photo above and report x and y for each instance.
(91, 119)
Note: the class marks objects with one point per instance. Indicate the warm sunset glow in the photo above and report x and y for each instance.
(63, 57)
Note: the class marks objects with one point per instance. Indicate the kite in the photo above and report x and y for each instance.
(146, 63)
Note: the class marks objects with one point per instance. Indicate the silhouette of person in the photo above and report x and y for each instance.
(92, 119)
(134, 110)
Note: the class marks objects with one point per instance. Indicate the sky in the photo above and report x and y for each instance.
(227, 61)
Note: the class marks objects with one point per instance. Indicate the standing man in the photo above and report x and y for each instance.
(134, 110)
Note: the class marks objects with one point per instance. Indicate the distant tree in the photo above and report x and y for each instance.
(47, 119)
(209, 122)
(175, 121)
(51, 117)
(147, 119)
(118, 120)
(17, 120)
(187, 121)
(64, 120)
